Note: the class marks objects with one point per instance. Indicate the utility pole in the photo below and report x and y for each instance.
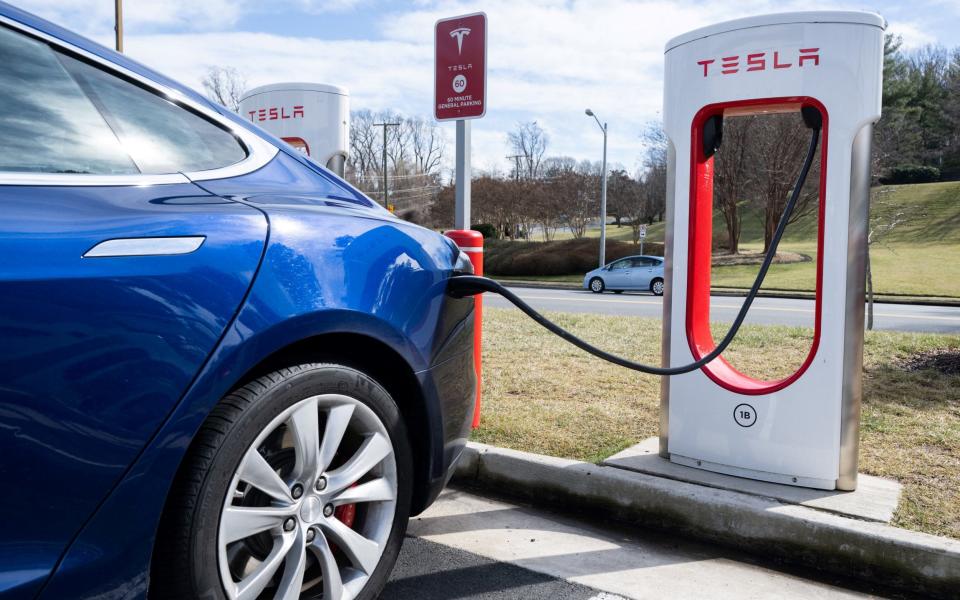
(385, 125)
(516, 171)
(118, 27)
(603, 192)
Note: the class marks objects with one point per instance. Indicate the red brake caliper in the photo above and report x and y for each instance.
(346, 513)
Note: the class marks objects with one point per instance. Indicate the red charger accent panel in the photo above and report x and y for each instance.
(700, 244)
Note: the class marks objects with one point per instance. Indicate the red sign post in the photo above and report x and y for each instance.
(460, 67)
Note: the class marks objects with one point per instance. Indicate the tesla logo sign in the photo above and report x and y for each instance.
(760, 61)
(460, 67)
(275, 113)
(458, 34)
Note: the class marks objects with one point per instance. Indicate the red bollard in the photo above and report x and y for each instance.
(471, 242)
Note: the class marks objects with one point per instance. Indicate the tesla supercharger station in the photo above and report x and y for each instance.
(314, 118)
(803, 429)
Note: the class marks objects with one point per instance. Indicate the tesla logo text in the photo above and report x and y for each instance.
(273, 113)
(761, 61)
(460, 33)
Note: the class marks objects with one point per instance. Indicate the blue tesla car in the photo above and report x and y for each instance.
(224, 372)
(644, 273)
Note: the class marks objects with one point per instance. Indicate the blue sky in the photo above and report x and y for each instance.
(548, 60)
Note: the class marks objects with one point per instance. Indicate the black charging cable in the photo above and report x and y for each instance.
(469, 285)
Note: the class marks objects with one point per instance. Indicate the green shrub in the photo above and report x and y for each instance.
(566, 257)
(486, 229)
(911, 174)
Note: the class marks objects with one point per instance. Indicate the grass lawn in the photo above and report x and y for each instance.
(543, 395)
(920, 257)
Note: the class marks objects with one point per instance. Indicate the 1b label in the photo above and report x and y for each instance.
(744, 415)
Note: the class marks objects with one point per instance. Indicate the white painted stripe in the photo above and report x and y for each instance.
(475, 249)
(735, 307)
(146, 246)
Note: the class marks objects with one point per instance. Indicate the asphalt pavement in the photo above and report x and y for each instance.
(474, 548)
(765, 311)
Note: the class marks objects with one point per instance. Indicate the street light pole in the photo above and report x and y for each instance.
(603, 192)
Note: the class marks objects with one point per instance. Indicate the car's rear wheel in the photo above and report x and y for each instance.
(297, 486)
(656, 286)
(596, 285)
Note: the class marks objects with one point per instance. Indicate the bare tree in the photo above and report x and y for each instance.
(415, 152)
(618, 190)
(225, 86)
(776, 159)
(581, 204)
(732, 175)
(427, 142)
(655, 164)
(529, 140)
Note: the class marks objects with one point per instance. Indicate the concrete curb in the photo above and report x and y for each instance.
(915, 562)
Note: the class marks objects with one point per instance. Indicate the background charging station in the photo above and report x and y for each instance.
(802, 429)
(314, 118)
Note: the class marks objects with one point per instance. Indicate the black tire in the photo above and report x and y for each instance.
(655, 285)
(597, 286)
(185, 561)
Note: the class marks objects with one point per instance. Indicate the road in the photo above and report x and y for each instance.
(765, 311)
(469, 547)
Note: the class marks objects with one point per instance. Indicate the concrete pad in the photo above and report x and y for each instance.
(875, 498)
(876, 552)
(623, 564)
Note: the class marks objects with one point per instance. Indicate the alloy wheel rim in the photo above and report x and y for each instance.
(595, 286)
(279, 532)
(658, 287)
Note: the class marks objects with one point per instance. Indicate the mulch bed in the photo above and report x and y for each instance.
(946, 361)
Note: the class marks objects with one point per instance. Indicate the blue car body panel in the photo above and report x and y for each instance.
(96, 351)
(327, 270)
(110, 365)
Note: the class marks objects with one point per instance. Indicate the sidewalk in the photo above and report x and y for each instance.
(773, 529)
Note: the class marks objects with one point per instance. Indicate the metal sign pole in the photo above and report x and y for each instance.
(461, 215)
(118, 23)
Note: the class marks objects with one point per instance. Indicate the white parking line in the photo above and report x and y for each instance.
(735, 307)
(618, 564)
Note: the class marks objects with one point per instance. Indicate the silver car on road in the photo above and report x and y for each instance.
(631, 273)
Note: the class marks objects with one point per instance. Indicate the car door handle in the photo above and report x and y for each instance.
(146, 246)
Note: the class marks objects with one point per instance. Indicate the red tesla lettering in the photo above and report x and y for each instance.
(253, 113)
(297, 111)
(777, 64)
(273, 113)
(730, 64)
(262, 114)
(809, 54)
(756, 62)
(705, 64)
